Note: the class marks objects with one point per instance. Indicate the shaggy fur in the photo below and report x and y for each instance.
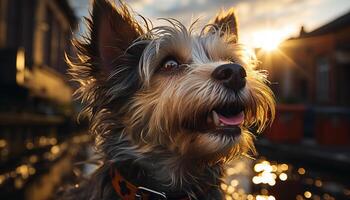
(146, 120)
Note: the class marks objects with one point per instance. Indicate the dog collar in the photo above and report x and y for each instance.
(128, 191)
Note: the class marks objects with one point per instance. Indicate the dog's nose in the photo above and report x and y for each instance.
(231, 75)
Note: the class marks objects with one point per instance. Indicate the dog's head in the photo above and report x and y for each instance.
(194, 95)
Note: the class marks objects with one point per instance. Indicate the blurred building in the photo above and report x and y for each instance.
(37, 137)
(34, 34)
(309, 76)
(318, 65)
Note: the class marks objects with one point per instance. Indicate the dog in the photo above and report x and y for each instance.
(169, 107)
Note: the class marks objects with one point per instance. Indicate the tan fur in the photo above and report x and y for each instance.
(139, 113)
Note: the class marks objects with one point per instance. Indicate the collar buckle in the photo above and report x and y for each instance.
(144, 193)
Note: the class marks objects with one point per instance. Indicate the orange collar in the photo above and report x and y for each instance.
(128, 191)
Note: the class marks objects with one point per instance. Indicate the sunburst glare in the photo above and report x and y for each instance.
(269, 39)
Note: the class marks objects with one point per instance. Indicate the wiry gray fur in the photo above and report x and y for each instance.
(130, 111)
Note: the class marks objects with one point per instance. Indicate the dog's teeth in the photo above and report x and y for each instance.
(209, 119)
(216, 118)
(221, 124)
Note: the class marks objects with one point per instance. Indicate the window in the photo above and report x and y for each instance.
(47, 37)
(54, 42)
(2, 23)
(322, 80)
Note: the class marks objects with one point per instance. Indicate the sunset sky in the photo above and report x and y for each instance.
(259, 20)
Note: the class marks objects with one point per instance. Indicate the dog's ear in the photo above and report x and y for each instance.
(112, 31)
(226, 21)
(106, 65)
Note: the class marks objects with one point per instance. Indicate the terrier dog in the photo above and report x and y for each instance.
(168, 107)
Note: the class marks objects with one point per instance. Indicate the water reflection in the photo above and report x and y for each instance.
(262, 179)
(44, 151)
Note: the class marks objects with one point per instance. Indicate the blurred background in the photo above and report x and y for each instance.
(303, 44)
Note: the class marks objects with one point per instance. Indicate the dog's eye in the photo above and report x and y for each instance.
(170, 65)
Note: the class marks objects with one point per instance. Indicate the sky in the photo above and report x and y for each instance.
(259, 20)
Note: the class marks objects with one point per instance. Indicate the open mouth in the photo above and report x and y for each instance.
(222, 120)
(226, 120)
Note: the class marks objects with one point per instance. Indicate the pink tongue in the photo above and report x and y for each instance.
(234, 120)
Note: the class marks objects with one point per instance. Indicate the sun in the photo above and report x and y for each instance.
(268, 40)
(270, 44)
